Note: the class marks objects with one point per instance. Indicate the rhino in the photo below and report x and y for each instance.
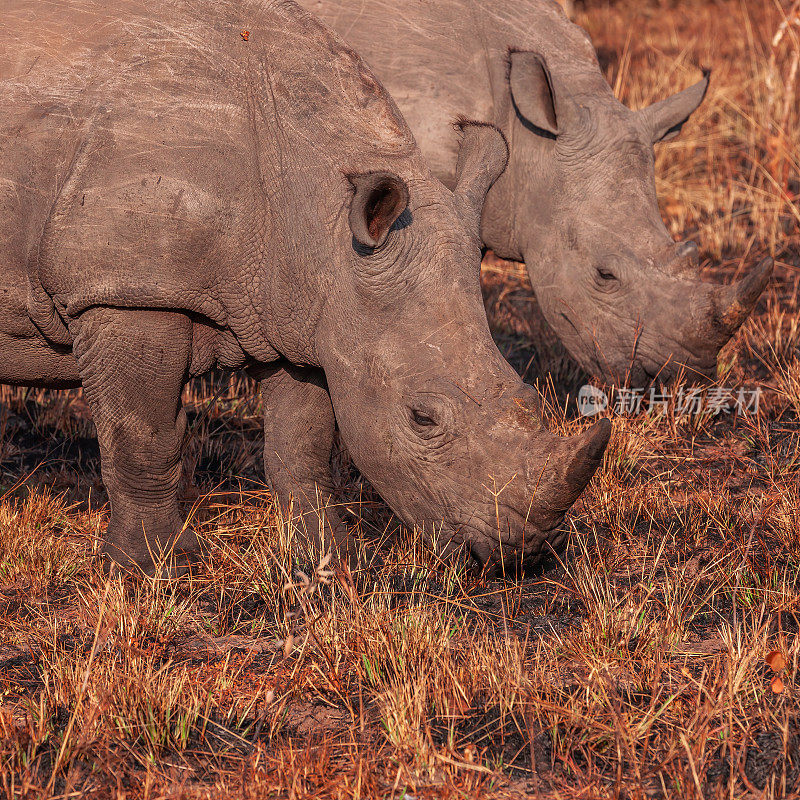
(577, 202)
(186, 187)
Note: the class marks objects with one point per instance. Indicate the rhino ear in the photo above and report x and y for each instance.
(378, 200)
(665, 119)
(532, 90)
(482, 157)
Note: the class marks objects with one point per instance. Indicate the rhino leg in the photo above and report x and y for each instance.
(299, 426)
(133, 365)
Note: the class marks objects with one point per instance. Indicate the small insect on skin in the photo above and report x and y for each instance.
(245, 35)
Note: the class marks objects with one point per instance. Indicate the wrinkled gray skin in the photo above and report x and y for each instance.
(174, 198)
(577, 202)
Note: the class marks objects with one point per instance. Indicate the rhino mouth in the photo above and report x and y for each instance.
(643, 371)
(694, 369)
(507, 549)
(513, 562)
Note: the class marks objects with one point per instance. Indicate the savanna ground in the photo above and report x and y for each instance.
(636, 664)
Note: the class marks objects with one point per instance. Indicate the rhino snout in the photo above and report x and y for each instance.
(522, 521)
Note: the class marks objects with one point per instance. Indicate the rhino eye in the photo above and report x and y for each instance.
(605, 274)
(422, 419)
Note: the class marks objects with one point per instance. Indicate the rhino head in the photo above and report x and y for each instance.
(431, 413)
(626, 300)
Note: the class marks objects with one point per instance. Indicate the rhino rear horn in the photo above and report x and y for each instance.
(379, 199)
(666, 118)
(482, 157)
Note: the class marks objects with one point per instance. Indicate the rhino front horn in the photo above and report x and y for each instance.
(588, 448)
(736, 301)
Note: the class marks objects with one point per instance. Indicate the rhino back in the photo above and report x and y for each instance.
(87, 101)
(446, 59)
(157, 155)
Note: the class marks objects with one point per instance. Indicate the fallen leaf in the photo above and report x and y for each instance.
(777, 684)
(775, 661)
(245, 35)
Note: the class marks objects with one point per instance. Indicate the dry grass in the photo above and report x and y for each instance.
(633, 665)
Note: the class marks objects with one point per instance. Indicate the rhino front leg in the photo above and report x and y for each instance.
(299, 426)
(133, 365)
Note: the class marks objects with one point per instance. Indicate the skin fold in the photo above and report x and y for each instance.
(177, 197)
(577, 202)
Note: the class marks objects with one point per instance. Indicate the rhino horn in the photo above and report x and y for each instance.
(735, 302)
(587, 451)
(721, 310)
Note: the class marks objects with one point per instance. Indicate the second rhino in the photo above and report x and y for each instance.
(577, 202)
